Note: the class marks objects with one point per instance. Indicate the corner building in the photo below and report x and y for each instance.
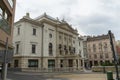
(45, 43)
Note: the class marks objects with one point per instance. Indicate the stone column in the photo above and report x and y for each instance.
(74, 64)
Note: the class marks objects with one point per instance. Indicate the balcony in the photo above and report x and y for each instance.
(4, 25)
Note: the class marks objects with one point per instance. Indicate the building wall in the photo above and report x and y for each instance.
(5, 6)
(47, 32)
(106, 53)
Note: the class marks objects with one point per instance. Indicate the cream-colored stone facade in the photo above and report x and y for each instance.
(55, 43)
(99, 50)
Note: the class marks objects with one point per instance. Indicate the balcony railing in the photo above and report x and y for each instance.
(4, 25)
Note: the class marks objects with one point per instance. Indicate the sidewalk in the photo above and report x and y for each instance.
(84, 76)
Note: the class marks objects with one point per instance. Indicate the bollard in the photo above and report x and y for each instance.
(109, 75)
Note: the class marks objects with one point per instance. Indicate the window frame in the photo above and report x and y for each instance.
(33, 49)
(34, 31)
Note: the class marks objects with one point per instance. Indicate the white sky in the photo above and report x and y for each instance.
(90, 17)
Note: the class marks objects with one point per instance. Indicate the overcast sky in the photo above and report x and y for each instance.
(90, 17)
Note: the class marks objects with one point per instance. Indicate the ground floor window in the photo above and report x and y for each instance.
(32, 63)
(16, 62)
(61, 63)
(51, 63)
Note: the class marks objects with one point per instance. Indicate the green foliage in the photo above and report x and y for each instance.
(107, 64)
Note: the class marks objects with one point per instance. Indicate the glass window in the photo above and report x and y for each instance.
(17, 48)
(18, 31)
(32, 63)
(50, 49)
(94, 48)
(33, 48)
(51, 63)
(11, 3)
(50, 35)
(34, 31)
(16, 63)
(1, 11)
(5, 16)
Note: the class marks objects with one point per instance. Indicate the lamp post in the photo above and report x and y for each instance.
(114, 56)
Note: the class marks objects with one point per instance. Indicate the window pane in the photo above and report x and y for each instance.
(33, 48)
(1, 11)
(11, 3)
(33, 63)
(18, 31)
(17, 48)
(6, 15)
(34, 31)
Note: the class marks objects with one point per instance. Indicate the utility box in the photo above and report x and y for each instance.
(110, 75)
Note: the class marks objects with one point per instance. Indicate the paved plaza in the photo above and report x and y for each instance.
(56, 76)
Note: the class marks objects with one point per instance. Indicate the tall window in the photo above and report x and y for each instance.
(32, 63)
(34, 31)
(95, 56)
(60, 48)
(94, 48)
(101, 56)
(17, 48)
(1, 11)
(5, 16)
(74, 50)
(50, 35)
(16, 63)
(50, 49)
(100, 47)
(33, 48)
(18, 31)
(105, 47)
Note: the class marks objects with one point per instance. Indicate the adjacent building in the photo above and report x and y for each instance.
(99, 50)
(45, 43)
(7, 12)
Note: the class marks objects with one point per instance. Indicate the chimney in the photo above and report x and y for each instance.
(28, 15)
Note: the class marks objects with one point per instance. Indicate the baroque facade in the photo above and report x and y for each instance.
(45, 43)
(99, 50)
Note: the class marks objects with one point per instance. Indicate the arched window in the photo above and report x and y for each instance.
(50, 49)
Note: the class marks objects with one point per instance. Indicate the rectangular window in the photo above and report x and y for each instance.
(16, 63)
(32, 63)
(18, 31)
(33, 48)
(34, 31)
(1, 11)
(5, 16)
(10, 2)
(51, 63)
(17, 48)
